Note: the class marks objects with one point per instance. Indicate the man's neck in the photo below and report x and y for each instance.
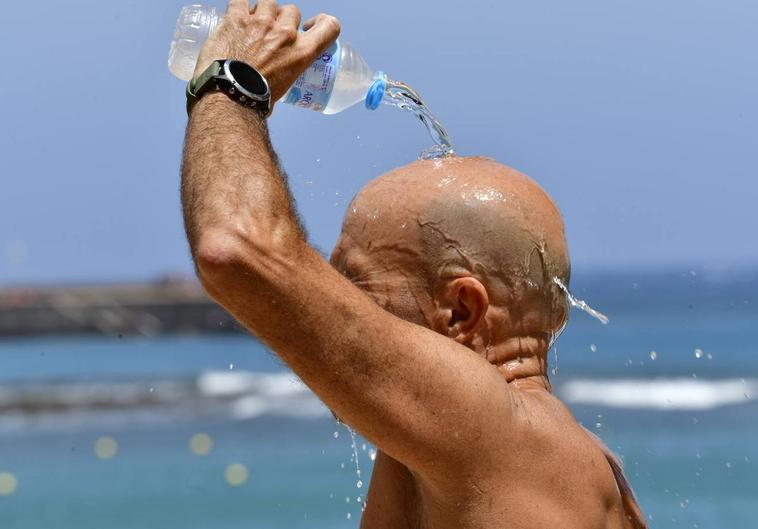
(522, 360)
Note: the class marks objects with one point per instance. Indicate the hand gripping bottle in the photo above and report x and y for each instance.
(337, 80)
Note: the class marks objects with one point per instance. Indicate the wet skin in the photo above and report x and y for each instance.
(428, 332)
(550, 471)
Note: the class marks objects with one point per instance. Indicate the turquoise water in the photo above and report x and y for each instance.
(688, 435)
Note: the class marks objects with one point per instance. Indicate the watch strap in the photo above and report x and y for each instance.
(196, 87)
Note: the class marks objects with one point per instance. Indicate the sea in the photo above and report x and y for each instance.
(214, 432)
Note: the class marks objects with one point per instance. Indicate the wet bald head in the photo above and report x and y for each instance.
(409, 232)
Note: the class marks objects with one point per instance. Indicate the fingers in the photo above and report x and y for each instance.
(237, 7)
(320, 32)
(266, 10)
(308, 24)
(289, 16)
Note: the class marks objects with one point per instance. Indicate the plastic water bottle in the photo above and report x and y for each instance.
(337, 80)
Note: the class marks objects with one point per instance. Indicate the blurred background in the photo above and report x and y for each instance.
(127, 399)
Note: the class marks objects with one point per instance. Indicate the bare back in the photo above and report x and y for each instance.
(556, 475)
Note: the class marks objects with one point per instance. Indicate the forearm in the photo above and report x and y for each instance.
(231, 180)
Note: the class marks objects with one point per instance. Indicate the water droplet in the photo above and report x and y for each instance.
(336, 434)
(342, 465)
(372, 454)
(231, 366)
(593, 348)
(709, 356)
(349, 515)
(653, 355)
(318, 160)
(598, 425)
(358, 499)
(698, 353)
(347, 499)
(359, 484)
(728, 465)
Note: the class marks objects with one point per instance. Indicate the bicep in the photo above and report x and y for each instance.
(417, 395)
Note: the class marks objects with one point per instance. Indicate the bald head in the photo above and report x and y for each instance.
(410, 232)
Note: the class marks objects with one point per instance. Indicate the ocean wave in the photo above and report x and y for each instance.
(236, 395)
(256, 394)
(247, 395)
(659, 394)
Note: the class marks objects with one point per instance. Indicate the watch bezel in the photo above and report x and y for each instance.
(241, 89)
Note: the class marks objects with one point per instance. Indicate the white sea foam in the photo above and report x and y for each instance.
(229, 384)
(659, 394)
(257, 394)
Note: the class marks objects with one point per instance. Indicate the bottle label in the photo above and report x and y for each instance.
(314, 87)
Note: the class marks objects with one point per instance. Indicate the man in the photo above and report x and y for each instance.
(428, 333)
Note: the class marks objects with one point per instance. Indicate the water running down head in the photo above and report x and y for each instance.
(464, 246)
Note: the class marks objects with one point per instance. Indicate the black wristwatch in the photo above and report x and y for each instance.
(240, 81)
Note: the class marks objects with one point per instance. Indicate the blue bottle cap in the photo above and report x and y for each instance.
(376, 92)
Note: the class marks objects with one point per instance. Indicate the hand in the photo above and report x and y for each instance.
(266, 37)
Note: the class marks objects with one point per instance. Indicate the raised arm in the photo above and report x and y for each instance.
(416, 394)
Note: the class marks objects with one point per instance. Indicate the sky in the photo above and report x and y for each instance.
(639, 117)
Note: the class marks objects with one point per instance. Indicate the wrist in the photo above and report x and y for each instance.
(218, 113)
(238, 80)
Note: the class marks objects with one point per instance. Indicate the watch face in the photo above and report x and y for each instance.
(247, 78)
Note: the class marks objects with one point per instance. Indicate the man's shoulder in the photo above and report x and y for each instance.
(548, 435)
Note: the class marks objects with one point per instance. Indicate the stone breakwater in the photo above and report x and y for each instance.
(147, 309)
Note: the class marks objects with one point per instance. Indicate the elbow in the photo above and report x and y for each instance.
(217, 254)
(224, 256)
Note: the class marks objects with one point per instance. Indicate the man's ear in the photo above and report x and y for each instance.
(461, 308)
